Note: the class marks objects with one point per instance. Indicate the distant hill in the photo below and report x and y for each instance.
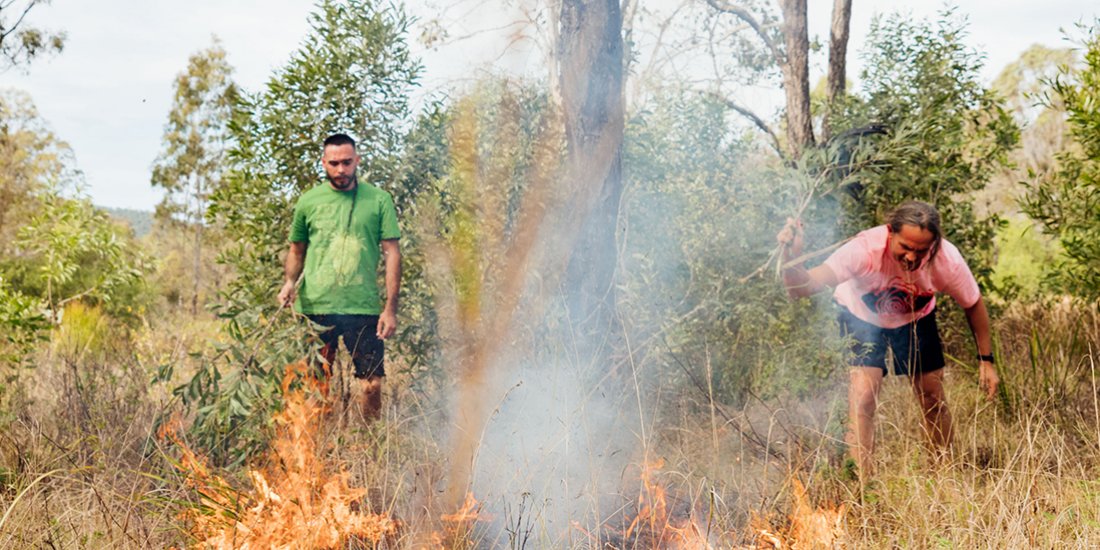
(141, 221)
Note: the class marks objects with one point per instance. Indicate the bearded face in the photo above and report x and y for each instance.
(340, 162)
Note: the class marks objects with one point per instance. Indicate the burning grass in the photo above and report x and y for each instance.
(293, 502)
(655, 526)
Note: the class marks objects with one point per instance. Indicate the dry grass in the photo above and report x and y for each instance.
(81, 467)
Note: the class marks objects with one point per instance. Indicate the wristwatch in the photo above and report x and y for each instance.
(986, 358)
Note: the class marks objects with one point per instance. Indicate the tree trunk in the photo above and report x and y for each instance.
(590, 49)
(838, 53)
(796, 76)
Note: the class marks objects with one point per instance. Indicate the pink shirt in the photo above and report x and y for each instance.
(875, 288)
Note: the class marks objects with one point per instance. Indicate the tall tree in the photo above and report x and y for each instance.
(196, 136)
(590, 51)
(32, 160)
(838, 54)
(796, 75)
(55, 247)
(789, 50)
(353, 73)
(19, 42)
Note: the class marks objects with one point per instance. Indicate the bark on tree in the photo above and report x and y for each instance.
(838, 52)
(796, 76)
(590, 51)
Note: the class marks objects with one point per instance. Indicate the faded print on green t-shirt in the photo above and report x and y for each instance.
(344, 247)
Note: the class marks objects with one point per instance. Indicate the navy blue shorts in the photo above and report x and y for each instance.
(360, 337)
(916, 346)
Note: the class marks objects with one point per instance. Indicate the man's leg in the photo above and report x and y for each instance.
(928, 387)
(330, 340)
(369, 400)
(926, 362)
(368, 355)
(863, 389)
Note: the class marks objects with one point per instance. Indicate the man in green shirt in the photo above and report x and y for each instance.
(346, 229)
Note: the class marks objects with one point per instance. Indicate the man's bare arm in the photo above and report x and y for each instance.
(797, 279)
(978, 318)
(387, 321)
(292, 270)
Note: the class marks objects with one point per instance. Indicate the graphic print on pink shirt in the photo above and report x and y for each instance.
(899, 298)
(875, 288)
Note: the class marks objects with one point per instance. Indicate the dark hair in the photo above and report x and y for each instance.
(919, 214)
(338, 140)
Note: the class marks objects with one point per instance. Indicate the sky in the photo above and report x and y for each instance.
(108, 94)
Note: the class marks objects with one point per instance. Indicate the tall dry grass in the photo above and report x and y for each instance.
(1024, 471)
(79, 461)
(82, 468)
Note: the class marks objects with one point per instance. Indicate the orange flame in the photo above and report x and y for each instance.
(457, 525)
(654, 523)
(813, 527)
(469, 511)
(806, 528)
(294, 504)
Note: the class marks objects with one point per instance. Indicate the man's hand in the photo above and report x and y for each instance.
(387, 324)
(791, 238)
(988, 379)
(287, 294)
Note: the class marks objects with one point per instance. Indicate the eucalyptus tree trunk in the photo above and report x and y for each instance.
(838, 51)
(796, 76)
(590, 52)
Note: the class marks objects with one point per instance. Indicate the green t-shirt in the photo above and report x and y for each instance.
(341, 268)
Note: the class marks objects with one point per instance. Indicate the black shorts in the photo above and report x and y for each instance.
(360, 337)
(916, 346)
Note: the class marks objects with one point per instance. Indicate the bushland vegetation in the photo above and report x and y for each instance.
(128, 418)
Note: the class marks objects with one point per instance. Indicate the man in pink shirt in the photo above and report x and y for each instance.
(885, 281)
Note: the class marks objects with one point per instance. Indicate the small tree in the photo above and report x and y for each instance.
(1067, 200)
(196, 136)
(922, 82)
(353, 74)
(70, 250)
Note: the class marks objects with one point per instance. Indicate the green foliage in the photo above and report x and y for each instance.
(70, 250)
(486, 161)
(701, 210)
(353, 73)
(922, 81)
(1067, 201)
(1023, 256)
(23, 323)
(20, 43)
(54, 250)
(196, 136)
(32, 161)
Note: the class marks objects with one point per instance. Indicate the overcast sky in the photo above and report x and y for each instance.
(108, 94)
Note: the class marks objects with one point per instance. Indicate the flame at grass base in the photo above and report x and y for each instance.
(293, 503)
